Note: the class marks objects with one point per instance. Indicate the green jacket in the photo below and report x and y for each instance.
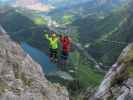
(53, 42)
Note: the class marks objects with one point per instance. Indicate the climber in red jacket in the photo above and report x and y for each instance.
(65, 46)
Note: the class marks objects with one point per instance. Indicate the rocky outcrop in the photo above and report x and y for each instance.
(117, 84)
(21, 78)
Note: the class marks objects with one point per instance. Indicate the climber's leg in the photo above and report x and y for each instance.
(51, 54)
(55, 55)
(64, 57)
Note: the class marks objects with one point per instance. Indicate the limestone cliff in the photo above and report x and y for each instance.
(118, 83)
(21, 78)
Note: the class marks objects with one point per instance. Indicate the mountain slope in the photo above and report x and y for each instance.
(105, 33)
(21, 77)
(117, 84)
(62, 3)
(22, 28)
(83, 8)
(115, 40)
(82, 78)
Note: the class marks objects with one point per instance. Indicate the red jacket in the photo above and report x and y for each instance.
(65, 42)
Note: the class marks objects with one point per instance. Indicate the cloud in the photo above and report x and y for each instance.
(34, 5)
(26, 2)
(39, 7)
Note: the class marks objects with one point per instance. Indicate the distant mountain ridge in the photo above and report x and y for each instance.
(48, 5)
(73, 2)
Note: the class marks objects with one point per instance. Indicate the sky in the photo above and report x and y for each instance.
(23, 0)
(5, 0)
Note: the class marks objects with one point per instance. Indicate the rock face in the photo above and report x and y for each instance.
(21, 78)
(117, 84)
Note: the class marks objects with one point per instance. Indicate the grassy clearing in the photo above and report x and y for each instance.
(88, 76)
(67, 19)
(40, 21)
(85, 73)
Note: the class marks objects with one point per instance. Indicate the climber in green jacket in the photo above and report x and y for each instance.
(53, 45)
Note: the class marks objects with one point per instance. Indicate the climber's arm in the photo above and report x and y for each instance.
(46, 35)
(61, 37)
